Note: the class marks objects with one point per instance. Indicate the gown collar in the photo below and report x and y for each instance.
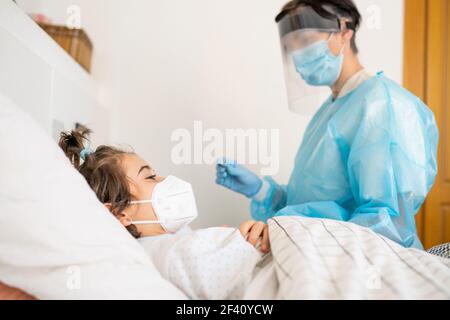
(354, 82)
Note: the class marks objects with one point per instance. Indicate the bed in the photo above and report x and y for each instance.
(49, 251)
(324, 259)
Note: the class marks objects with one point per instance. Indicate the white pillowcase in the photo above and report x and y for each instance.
(57, 241)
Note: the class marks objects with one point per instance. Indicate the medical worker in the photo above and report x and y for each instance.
(369, 154)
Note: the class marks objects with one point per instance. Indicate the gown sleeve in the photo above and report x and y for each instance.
(274, 200)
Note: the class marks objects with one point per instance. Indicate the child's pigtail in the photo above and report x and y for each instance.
(73, 145)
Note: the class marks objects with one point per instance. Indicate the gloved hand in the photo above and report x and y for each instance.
(238, 178)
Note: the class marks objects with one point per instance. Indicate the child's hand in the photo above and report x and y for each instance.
(254, 232)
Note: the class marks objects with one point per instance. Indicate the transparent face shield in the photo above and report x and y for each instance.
(303, 98)
(298, 31)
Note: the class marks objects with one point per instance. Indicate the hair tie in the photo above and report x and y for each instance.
(85, 152)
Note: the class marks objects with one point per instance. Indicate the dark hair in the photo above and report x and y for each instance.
(343, 8)
(102, 171)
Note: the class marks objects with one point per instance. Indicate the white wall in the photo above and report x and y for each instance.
(381, 42)
(41, 77)
(214, 61)
(218, 61)
(161, 65)
(98, 20)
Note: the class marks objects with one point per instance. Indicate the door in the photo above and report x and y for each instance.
(427, 71)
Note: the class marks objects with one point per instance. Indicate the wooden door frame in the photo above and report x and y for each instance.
(426, 74)
(415, 64)
(437, 99)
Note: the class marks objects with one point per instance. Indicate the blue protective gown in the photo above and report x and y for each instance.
(369, 157)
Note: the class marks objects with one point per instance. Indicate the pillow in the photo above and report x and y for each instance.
(57, 241)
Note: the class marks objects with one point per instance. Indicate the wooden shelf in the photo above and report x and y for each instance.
(74, 41)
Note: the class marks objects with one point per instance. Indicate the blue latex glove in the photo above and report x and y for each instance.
(238, 178)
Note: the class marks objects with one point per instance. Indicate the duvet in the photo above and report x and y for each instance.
(310, 259)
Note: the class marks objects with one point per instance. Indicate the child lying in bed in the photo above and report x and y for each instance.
(215, 263)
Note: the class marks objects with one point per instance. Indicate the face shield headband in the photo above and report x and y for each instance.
(307, 19)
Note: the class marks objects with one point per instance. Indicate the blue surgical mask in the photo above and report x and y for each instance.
(317, 65)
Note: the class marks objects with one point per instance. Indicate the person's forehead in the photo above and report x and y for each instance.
(132, 163)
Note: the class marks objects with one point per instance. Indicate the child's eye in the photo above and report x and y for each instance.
(153, 177)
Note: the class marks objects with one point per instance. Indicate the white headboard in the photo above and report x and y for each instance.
(44, 80)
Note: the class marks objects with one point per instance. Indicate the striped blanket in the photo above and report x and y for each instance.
(325, 259)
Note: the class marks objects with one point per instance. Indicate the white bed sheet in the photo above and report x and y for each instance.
(309, 259)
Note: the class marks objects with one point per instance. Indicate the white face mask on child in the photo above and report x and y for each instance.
(174, 204)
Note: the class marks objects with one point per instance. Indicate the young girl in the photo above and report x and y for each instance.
(155, 210)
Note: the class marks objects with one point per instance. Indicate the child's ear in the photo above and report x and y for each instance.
(125, 219)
